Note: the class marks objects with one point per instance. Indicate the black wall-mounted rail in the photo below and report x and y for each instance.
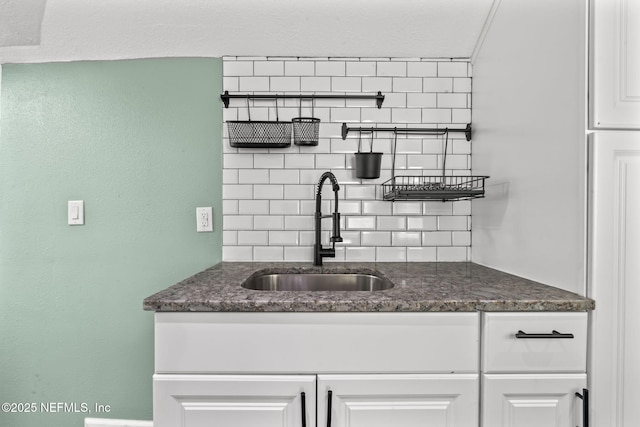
(226, 96)
(425, 131)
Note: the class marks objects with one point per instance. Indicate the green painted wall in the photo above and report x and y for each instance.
(139, 142)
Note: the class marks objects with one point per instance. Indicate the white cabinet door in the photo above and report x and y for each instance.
(532, 400)
(615, 279)
(615, 64)
(434, 400)
(233, 400)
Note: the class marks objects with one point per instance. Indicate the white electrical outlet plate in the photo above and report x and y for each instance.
(204, 220)
(75, 212)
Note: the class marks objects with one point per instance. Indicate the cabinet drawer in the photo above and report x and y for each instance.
(316, 342)
(525, 342)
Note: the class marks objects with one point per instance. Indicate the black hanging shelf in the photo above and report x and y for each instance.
(226, 96)
(426, 188)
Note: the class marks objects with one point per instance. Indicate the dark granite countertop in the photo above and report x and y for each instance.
(418, 287)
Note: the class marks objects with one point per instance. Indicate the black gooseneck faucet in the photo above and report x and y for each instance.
(318, 251)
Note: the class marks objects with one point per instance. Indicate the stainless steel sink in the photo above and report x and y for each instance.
(317, 282)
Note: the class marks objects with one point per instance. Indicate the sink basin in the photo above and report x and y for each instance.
(317, 282)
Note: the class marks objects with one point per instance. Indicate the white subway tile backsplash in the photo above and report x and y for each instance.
(268, 191)
(452, 100)
(436, 238)
(315, 84)
(421, 254)
(376, 207)
(408, 115)
(461, 238)
(253, 207)
(229, 207)
(236, 191)
(238, 68)
(392, 69)
(330, 68)
(284, 84)
(406, 238)
(254, 84)
(391, 223)
(237, 161)
(299, 68)
(283, 238)
(299, 192)
(407, 208)
(390, 254)
(269, 160)
(237, 253)
(453, 223)
(422, 69)
(253, 176)
(377, 84)
(361, 68)
(269, 195)
(452, 254)
(361, 223)
(268, 68)
(437, 84)
(407, 84)
(252, 238)
(237, 222)
(284, 207)
(376, 238)
(269, 222)
(345, 114)
(346, 84)
(422, 100)
(422, 223)
(302, 222)
(452, 69)
(268, 253)
(283, 176)
(361, 192)
(360, 254)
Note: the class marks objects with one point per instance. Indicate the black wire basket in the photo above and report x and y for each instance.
(259, 133)
(306, 130)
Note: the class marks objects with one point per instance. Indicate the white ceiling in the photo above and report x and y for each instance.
(68, 30)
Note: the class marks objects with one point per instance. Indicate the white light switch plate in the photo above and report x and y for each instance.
(75, 212)
(204, 220)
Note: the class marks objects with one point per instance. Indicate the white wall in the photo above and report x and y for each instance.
(529, 121)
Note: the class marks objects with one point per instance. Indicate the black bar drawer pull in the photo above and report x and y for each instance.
(303, 400)
(553, 334)
(585, 406)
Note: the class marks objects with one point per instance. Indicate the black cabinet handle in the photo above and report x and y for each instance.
(553, 334)
(303, 402)
(585, 406)
(329, 395)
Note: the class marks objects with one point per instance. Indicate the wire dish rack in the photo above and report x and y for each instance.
(433, 187)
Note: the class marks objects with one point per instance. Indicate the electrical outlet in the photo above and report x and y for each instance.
(204, 220)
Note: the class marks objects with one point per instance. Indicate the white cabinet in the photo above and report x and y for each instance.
(233, 400)
(615, 278)
(436, 400)
(615, 64)
(367, 369)
(526, 400)
(533, 366)
(232, 369)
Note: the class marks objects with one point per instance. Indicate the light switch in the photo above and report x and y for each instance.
(75, 212)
